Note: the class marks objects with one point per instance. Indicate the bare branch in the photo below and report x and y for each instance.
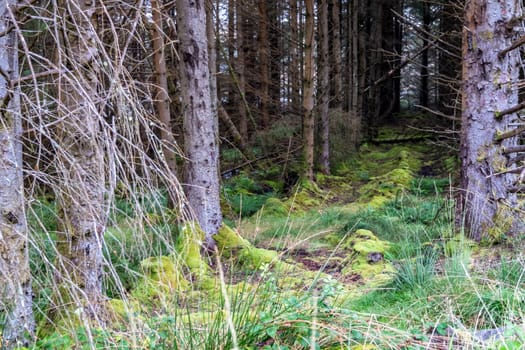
(520, 41)
(509, 134)
(499, 115)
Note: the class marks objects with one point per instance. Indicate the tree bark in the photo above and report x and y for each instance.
(200, 135)
(335, 57)
(81, 188)
(162, 103)
(486, 206)
(324, 89)
(423, 91)
(15, 276)
(240, 68)
(308, 92)
(264, 63)
(294, 71)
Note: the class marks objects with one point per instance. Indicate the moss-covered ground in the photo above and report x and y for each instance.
(366, 258)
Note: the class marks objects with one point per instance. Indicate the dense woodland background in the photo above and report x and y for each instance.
(286, 174)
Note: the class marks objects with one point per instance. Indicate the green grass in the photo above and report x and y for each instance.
(429, 291)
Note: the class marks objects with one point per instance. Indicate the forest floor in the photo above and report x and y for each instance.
(366, 258)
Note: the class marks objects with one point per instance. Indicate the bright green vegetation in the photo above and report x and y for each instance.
(368, 258)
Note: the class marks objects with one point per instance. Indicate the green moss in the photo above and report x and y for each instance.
(502, 223)
(232, 245)
(275, 207)
(365, 242)
(65, 315)
(367, 258)
(383, 188)
(189, 246)
(458, 245)
(162, 280)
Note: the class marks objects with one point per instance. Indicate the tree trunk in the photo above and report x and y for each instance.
(486, 204)
(308, 92)
(294, 71)
(449, 63)
(357, 74)
(264, 62)
(324, 88)
(240, 68)
(212, 62)
(162, 103)
(15, 276)
(200, 134)
(335, 57)
(423, 91)
(80, 192)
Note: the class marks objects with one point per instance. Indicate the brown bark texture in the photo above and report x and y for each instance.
(486, 206)
(200, 134)
(16, 315)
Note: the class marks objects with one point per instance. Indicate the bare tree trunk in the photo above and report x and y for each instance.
(324, 88)
(15, 276)
(295, 78)
(357, 73)
(487, 205)
(308, 92)
(162, 103)
(240, 68)
(423, 91)
(200, 133)
(336, 59)
(212, 62)
(264, 62)
(80, 193)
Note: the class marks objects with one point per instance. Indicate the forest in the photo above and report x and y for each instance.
(252, 174)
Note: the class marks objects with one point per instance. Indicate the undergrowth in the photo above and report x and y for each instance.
(436, 286)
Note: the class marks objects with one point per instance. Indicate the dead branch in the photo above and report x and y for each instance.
(515, 149)
(520, 41)
(510, 110)
(517, 170)
(509, 134)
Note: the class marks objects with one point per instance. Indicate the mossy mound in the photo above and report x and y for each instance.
(367, 258)
(306, 195)
(385, 187)
(232, 245)
(274, 207)
(162, 281)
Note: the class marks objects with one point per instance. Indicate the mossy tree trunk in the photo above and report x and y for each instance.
(487, 205)
(200, 132)
(16, 314)
(80, 161)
